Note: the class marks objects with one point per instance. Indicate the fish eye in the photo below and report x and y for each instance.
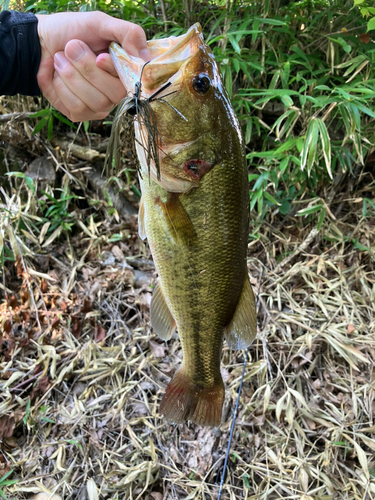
(201, 84)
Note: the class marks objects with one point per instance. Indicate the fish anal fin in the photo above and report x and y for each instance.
(141, 220)
(162, 320)
(178, 220)
(242, 329)
(184, 400)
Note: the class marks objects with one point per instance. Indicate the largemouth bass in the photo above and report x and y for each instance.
(195, 215)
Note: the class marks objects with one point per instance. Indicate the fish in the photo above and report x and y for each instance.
(194, 212)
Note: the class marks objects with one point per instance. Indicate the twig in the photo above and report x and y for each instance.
(310, 237)
(16, 116)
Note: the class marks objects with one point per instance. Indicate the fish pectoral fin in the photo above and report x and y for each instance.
(180, 225)
(141, 220)
(162, 320)
(242, 329)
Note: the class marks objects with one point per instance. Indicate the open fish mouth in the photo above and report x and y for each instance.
(168, 55)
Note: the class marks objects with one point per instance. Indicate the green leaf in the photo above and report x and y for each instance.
(62, 118)
(30, 184)
(271, 198)
(358, 2)
(236, 65)
(2, 478)
(234, 43)
(42, 112)
(285, 207)
(321, 219)
(40, 125)
(308, 154)
(309, 210)
(50, 127)
(326, 145)
(358, 246)
(272, 22)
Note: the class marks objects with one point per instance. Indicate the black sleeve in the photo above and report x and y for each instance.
(19, 53)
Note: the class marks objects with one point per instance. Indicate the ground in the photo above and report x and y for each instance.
(82, 374)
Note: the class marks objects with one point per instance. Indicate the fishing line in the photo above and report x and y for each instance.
(223, 474)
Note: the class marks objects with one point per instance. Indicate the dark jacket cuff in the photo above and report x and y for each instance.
(20, 53)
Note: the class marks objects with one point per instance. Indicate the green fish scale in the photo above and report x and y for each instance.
(202, 282)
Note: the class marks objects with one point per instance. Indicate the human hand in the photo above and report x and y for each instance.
(75, 74)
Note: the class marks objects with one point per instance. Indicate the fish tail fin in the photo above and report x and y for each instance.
(184, 400)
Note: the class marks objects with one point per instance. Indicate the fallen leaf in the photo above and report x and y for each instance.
(44, 285)
(40, 388)
(156, 495)
(158, 350)
(13, 303)
(118, 253)
(7, 326)
(86, 308)
(76, 326)
(99, 334)
(55, 322)
(46, 496)
(6, 426)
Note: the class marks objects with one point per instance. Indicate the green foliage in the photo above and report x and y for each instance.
(368, 12)
(4, 482)
(301, 78)
(47, 116)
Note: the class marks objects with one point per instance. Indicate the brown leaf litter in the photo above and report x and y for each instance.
(82, 375)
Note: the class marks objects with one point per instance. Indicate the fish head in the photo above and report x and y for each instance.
(193, 115)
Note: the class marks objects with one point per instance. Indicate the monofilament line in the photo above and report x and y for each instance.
(223, 474)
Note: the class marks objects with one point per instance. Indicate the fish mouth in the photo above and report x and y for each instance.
(168, 55)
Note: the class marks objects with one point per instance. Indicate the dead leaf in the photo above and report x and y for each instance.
(7, 326)
(364, 38)
(118, 253)
(6, 426)
(46, 496)
(158, 350)
(55, 322)
(76, 326)
(86, 308)
(44, 285)
(40, 388)
(99, 334)
(13, 303)
(156, 495)
(24, 295)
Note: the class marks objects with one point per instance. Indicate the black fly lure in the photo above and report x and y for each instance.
(135, 108)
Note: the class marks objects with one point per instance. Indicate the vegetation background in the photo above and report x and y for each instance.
(80, 380)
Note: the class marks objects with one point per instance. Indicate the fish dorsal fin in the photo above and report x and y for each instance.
(141, 220)
(242, 329)
(179, 223)
(162, 320)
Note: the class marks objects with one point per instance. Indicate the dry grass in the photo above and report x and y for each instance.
(82, 375)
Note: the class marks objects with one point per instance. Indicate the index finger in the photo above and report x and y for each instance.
(130, 36)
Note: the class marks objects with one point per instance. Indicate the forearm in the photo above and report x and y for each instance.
(19, 53)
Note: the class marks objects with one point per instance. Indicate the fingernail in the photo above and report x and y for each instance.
(76, 51)
(145, 55)
(60, 60)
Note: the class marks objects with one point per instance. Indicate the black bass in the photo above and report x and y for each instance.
(195, 215)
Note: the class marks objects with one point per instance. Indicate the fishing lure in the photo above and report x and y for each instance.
(133, 108)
